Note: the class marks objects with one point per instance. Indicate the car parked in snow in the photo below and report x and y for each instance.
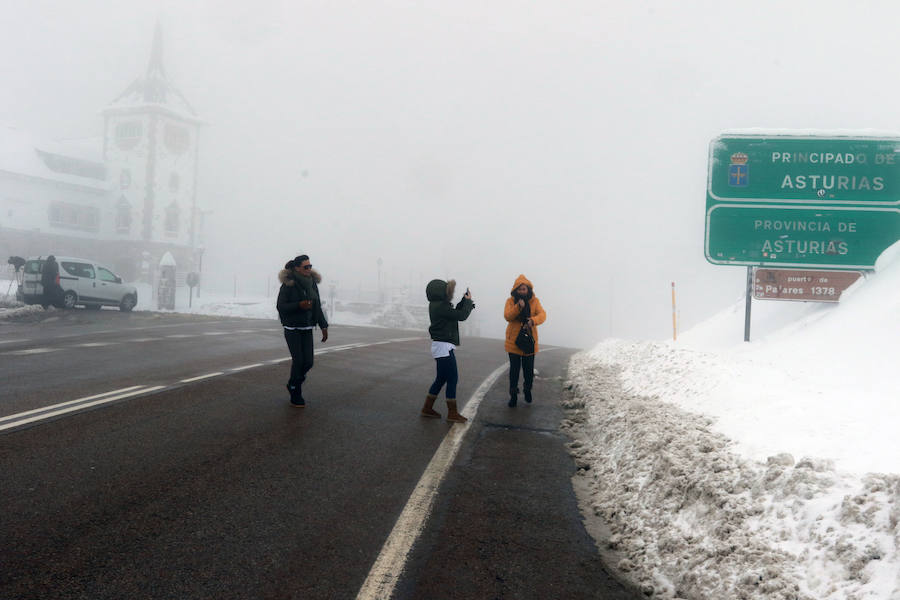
(83, 282)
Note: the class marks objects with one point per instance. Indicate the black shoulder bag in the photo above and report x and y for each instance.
(525, 341)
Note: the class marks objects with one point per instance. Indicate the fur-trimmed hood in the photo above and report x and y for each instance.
(286, 277)
(438, 289)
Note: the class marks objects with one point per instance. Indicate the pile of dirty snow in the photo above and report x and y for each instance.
(752, 470)
(20, 312)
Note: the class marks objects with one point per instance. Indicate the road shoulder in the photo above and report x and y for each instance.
(508, 524)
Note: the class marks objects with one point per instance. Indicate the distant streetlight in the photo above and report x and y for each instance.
(380, 292)
(331, 290)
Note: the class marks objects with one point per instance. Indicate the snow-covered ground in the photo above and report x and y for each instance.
(766, 469)
(262, 307)
(229, 305)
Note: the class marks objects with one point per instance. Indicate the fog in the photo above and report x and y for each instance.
(564, 140)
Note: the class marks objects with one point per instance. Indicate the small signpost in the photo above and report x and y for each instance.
(192, 279)
(794, 201)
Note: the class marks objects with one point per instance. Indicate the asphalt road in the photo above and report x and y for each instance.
(200, 481)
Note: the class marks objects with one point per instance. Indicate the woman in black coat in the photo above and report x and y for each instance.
(50, 282)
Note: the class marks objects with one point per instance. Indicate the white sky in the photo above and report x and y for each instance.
(564, 140)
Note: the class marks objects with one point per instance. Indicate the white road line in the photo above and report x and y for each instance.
(216, 332)
(42, 413)
(31, 351)
(254, 365)
(146, 339)
(13, 341)
(383, 577)
(183, 335)
(93, 344)
(69, 403)
(63, 411)
(199, 377)
(396, 340)
(344, 347)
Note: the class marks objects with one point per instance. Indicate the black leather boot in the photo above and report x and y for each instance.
(513, 397)
(296, 396)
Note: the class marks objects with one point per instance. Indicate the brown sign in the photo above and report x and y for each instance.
(796, 284)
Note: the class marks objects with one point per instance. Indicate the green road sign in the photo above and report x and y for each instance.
(827, 237)
(802, 201)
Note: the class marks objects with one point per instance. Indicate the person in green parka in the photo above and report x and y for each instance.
(444, 331)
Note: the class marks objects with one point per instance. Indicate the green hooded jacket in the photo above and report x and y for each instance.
(444, 318)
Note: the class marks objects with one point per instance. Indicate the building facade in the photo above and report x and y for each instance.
(125, 198)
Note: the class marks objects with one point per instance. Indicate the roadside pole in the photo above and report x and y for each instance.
(674, 321)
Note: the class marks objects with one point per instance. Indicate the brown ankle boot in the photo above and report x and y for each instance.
(428, 408)
(452, 414)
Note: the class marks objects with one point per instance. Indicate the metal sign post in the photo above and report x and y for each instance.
(747, 304)
(193, 279)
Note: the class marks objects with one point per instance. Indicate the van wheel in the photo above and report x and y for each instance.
(69, 299)
(127, 303)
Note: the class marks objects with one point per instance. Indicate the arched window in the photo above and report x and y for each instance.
(172, 218)
(123, 215)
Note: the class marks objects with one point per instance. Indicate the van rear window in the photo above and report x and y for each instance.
(33, 266)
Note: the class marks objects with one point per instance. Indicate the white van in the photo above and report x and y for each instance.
(83, 282)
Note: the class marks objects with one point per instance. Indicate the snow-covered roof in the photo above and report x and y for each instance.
(153, 91)
(88, 149)
(71, 162)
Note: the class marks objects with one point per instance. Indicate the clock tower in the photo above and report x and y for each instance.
(150, 148)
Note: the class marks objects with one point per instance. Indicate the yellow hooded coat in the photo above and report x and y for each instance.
(512, 311)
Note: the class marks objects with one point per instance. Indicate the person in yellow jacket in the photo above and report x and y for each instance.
(522, 310)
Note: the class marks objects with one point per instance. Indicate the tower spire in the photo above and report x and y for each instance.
(155, 67)
(154, 87)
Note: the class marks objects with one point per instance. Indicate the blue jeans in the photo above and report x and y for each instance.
(446, 373)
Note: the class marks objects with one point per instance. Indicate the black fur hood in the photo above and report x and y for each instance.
(286, 277)
(440, 290)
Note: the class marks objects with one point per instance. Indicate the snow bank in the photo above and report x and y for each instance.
(695, 519)
(753, 470)
(10, 308)
(20, 312)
